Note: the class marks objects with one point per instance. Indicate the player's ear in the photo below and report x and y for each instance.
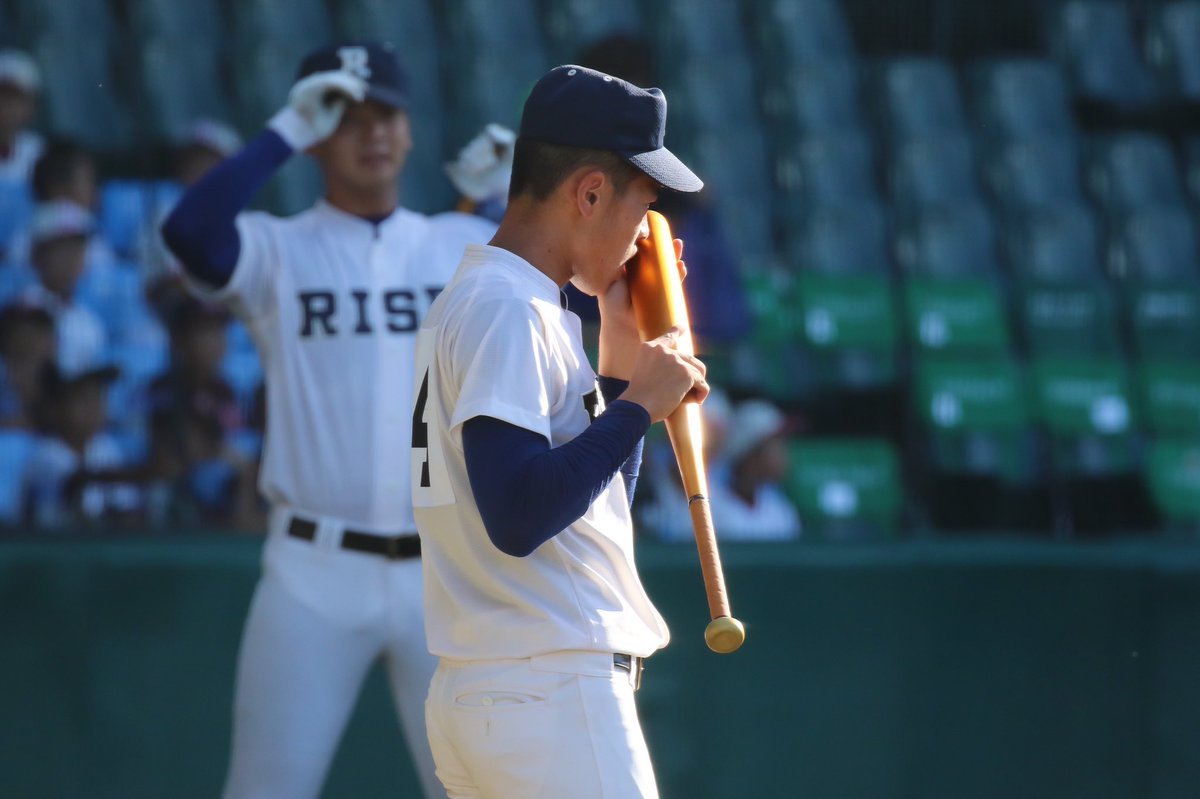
(589, 190)
(406, 139)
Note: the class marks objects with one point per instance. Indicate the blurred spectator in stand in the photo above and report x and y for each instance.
(193, 381)
(27, 345)
(748, 502)
(77, 474)
(661, 505)
(197, 476)
(20, 147)
(59, 237)
(67, 172)
(719, 311)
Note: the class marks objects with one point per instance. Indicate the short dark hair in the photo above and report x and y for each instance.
(56, 166)
(540, 168)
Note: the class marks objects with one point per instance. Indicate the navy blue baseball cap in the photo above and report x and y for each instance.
(580, 107)
(374, 62)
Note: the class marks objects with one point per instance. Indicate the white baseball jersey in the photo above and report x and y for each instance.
(333, 303)
(498, 343)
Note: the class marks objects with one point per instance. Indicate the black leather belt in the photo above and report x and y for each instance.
(392, 547)
(631, 664)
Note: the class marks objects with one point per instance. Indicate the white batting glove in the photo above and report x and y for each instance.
(484, 167)
(315, 106)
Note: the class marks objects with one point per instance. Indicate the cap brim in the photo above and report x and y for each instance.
(663, 166)
(389, 97)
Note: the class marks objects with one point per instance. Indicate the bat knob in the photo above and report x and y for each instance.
(724, 634)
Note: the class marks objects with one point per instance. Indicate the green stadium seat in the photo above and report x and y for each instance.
(1173, 476)
(1020, 98)
(1164, 319)
(1067, 319)
(1171, 398)
(1130, 171)
(980, 465)
(773, 364)
(949, 241)
(1173, 45)
(842, 239)
(1096, 43)
(1054, 244)
(935, 170)
(740, 187)
(813, 99)
(828, 171)
(1092, 420)
(916, 98)
(792, 32)
(1155, 245)
(1035, 173)
(955, 315)
(1085, 398)
(849, 323)
(694, 30)
(846, 489)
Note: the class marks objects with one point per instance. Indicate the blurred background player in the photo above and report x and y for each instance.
(333, 298)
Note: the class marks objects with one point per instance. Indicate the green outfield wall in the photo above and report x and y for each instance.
(921, 670)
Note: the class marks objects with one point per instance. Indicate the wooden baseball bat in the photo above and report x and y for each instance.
(658, 305)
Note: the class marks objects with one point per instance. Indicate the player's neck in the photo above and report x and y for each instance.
(535, 239)
(373, 205)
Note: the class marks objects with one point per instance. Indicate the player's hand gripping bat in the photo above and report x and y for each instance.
(658, 305)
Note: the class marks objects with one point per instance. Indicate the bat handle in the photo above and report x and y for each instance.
(724, 633)
(710, 558)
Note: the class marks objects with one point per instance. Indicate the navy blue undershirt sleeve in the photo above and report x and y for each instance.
(610, 389)
(200, 231)
(528, 492)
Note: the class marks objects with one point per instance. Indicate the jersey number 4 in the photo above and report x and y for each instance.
(432, 485)
(420, 430)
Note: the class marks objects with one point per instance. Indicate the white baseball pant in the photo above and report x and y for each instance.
(319, 619)
(548, 727)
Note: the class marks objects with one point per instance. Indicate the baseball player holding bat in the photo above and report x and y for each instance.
(533, 602)
(333, 298)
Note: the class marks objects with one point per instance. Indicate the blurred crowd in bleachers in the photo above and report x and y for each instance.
(939, 295)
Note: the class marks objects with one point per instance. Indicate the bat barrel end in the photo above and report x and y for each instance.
(724, 634)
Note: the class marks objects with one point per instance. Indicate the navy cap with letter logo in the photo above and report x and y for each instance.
(374, 62)
(580, 107)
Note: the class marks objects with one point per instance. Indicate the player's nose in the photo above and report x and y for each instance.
(644, 228)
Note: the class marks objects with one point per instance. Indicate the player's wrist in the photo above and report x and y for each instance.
(296, 131)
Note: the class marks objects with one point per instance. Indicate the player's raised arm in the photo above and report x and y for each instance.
(201, 230)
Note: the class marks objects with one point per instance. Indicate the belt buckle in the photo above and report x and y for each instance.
(392, 547)
(631, 664)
